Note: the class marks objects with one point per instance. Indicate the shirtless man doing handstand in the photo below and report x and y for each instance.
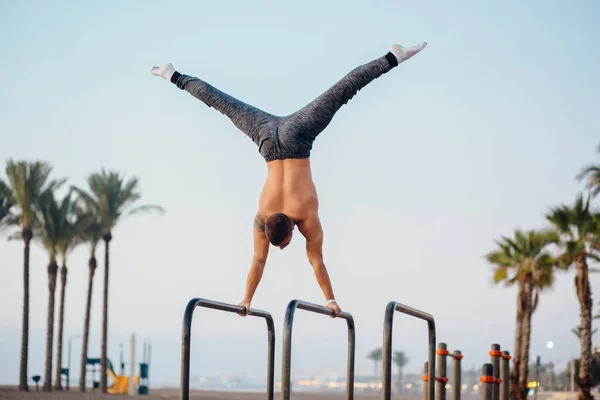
(289, 198)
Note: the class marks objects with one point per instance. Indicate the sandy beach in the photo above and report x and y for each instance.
(11, 393)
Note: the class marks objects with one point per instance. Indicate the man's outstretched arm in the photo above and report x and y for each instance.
(313, 232)
(259, 260)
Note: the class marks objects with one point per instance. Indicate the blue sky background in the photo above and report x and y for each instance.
(478, 135)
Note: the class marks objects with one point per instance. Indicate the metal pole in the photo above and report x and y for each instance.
(69, 363)
(287, 345)
(149, 356)
(487, 380)
(572, 371)
(388, 323)
(538, 362)
(495, 355)
(425, 379)
(147, 359)
(505, 375)
(132, 366)
(185, 349)
(121, 362)
(441, 379)
(456, 375)
(69, 360)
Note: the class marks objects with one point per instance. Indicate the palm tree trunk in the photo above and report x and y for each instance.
(526, 340)
(86, 325)
(61, 318)
(585, 301)
(400, 380)
(26, 234)
(514, 371)
(52, 270)
(103, 363)
(374, 369)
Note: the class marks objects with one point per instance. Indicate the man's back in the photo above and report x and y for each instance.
(289, 189)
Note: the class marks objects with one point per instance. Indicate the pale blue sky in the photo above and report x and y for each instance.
(476, 136)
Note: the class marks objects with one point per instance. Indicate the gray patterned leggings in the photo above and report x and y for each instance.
(291, 136)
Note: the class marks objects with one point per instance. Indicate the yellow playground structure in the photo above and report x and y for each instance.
(120, 383)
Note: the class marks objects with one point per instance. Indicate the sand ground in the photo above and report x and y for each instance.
(11, 393)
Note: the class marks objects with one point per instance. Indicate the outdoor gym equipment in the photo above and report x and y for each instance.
(186, 340)
(497, 381)
(493, 373)
(287, 345)
(388, 323)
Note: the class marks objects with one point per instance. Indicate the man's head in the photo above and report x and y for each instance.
(279, 228)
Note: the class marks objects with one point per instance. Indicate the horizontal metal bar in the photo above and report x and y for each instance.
(413, 312)
(319, 309)
(216, 305)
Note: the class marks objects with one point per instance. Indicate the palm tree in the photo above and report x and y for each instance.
(27, 181)
(532, 268)
(591, 173)
(91, 234)
(400, 359)
(70, 239)
(51, 229)
(579, 230)
(376, 355)
(112, 198)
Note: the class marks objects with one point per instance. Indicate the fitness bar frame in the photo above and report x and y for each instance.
(388, 323)
(287, 345)
(186, 340)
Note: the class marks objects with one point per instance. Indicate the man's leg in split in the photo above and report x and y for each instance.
(245, 117)
(314, 117)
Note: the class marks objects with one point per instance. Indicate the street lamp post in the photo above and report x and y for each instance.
(69, 359)
(121, 363)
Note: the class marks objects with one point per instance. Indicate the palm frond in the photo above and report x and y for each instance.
(88, 202)
(500, 274)
(594, 257)
(74, 226)
(560, 218)
(144, 209)
(27, 181)
(6, 205)
(112, 197)
(590, 173)
(525, 255)
(400, 359)
(53, 227)
(579, 227)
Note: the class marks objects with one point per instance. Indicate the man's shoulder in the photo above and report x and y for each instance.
(310, 226)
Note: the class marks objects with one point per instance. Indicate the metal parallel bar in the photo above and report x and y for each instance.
(387, 347)
(186, 341)
(456, 376)
(487, 377)
(287, 345)
(505, 375)
(425, 385)
(495, 356)
(442, 353)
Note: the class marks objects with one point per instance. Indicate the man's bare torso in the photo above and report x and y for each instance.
(289, 189)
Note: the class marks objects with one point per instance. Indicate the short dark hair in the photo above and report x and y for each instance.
(277, 227)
